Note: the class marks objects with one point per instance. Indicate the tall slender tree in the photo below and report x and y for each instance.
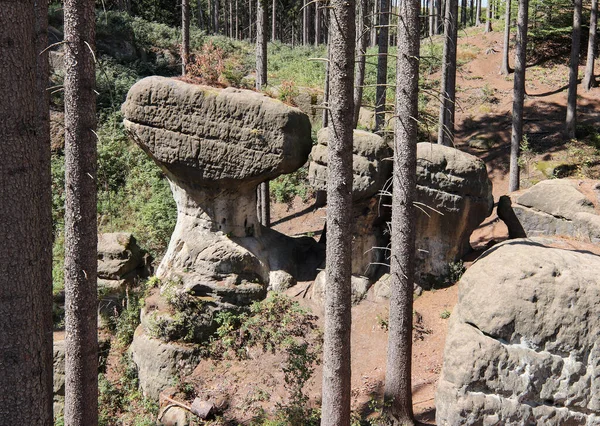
(488, 20)
(185, 35)
(317, 24)
(25, 224)
(589, 80)
(398, 392)
(505, 68)
(438, 16)
(383, 44)
(336, 345)
(261, 81)
(519, 94)
(362, 35)
(273, 19)
(571, 120)
(478, 13)
(81, 237)
(448, 83)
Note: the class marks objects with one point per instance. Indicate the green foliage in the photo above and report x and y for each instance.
(296, 64)
(285, 187)
(445, 314)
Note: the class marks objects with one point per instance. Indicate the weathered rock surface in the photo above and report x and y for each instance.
(557, 207)
(160, 363)
(454, 196)
(523, 343)
(360, 286)
(58, 365)
(371, 163)
(215, 146)
(118, 255)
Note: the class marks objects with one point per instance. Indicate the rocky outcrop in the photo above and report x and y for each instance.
(371, 169)
(215, 146)
(454, 196)
(557, 207)
(523, 343)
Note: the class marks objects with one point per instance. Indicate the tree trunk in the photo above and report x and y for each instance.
(519, 94)
(437, 17)
(571, 121)
(505, 69)
(398, 392)
(361, 51)
(273, 19)
(237, 21)
(383, 41)
(304, 23)
(200, 11)
(250, 20)
(265, 204)
(448, 84)
(261, 45)
(431, 18)
(478, 13)
(326, 88)
(488, 21)
(463, 12)
(336, 344)
(317, 24)
(185, 35)
(81, 237)
(589, 80)
(25, 224)
(216, 16)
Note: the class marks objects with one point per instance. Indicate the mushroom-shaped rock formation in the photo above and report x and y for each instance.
(215, 146)
(371, 164)
(454, 196)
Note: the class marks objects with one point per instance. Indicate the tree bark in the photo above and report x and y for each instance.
(185, 35)
(589, 79)
(505, 69)
(398, 392)
(81, 237)
(431, 18)
(448, 84)
(478, 13)
(437, 17)
(383, 42)
(571, 121)
(216, 16)
(317, 24)
(463, 12)
(326, 88)
(273, 20)
(200, 11)
(361, 51)
(519, 94)
(336, 345)
(488, 21)
(250, 20)
(261, 45)
(25, 224)
(265, 204)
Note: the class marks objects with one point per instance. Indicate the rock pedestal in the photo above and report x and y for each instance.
(215, 146)
(523, 343)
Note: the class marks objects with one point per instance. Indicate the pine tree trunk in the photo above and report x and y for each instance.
(317, 24)
(185, 35)
(471, 13)
(237, 21)
(478, 13)
(273, 20)
(488, 21)
(448, 84)
(326, 88)
(336, 345)
(261, 45)
(201, 23)
(432, 18)
(304, 23)
(25, 224)
(216, 16)
(519, 94)
(571, 121)
(81, 237)
(463, 12)
(437, 17)
(250, 20)
(383, 42)
(589, 80)
(361, 60)
(398, 392)
(505, 69)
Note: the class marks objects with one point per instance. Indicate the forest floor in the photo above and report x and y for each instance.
(484, 109)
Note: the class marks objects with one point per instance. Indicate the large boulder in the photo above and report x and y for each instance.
(523, 343)
(215, 146)
(557, 207)
(454, 196)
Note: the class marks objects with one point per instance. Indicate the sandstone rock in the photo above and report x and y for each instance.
(523, 344)
(160, 363)
(382, 290)
(454, 195)
(557, 207)
(215, 146)
(118, 255)
(309, 102)
(360, 286)
(58, 365)
(366, 118)
(173, 415)
(508, 216)
(370, 163)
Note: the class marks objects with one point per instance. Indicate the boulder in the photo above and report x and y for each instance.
(360, 286)
(215, 146)
(523, 343)
(58, 365)
(118, 255)
(557, 207)
(371, 163)
(159, 364)
(454, 196)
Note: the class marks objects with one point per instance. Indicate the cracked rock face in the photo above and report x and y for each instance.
(455, 196)
(523, 343)
(557, 207)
